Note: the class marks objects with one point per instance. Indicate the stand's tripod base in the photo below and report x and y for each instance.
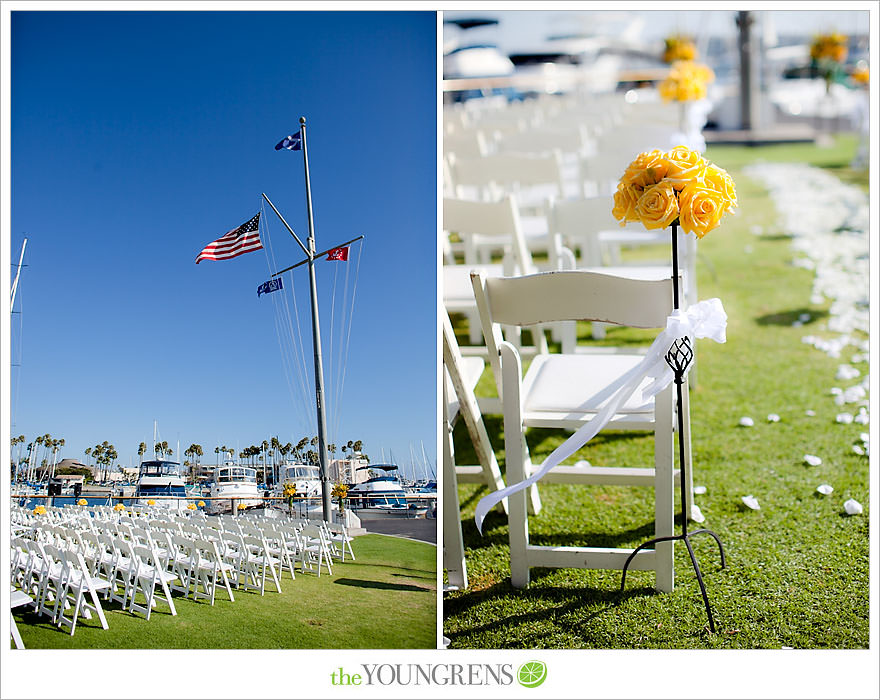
(685, 536)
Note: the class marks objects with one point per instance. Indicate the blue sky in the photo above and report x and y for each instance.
(138, 138)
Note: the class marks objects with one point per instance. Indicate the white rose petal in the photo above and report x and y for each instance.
(696, 514)
(772, 418)
(699, 490)
(846, 372)
(835, 390)
(747, 422)
(810, 412)
(864, 437)
(582, 463)
(803, 318)
(751, 502)
(852, 507)
(862, 419)
(812, 460)
(846, 418)
(858, 449)
(825, 489)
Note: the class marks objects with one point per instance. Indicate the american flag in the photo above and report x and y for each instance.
(238, 241)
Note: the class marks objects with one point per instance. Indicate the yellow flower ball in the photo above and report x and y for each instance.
(658, 206)
(241, 506)
(201, 504)
(40, 510)
(701, 208)
(82, 502)
(151, 502)
(191, 506)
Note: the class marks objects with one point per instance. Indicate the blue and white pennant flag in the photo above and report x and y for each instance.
(270, 286)
(291, 143)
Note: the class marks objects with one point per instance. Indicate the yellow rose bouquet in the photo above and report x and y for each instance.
(828, 52)
(340, 491)
(118, 507)
(686, 81)
(289, 490)
(679, 48)
(829, 47)
(860, 76)
(681, 187)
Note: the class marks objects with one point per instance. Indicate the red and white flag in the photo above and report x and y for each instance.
(338, 254)
(238, 241)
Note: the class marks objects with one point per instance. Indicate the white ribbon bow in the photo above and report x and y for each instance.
(706, 319)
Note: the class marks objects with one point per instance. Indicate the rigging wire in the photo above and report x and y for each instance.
(292, 362)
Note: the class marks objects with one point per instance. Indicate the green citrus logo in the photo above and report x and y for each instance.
(531, 674)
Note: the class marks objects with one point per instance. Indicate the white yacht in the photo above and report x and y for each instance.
(160, 480)
(307, 480)
(382, 497)
(233, 484)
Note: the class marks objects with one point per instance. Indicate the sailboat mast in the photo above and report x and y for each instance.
(316, 337)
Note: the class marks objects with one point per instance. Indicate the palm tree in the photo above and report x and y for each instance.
(142, 448)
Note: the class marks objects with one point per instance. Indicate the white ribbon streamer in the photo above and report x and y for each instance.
(706, 319)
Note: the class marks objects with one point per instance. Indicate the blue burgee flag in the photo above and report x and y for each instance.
(270, 286)
(291, 143)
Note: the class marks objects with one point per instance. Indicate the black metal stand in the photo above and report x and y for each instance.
(679, 357)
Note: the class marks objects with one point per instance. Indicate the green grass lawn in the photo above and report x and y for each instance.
(797, 573)
(386, 599)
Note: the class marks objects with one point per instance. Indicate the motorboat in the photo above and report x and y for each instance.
(160, 480)
(382, 496)
(233, 486)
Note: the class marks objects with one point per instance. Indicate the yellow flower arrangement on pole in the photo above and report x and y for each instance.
(191, 506)
(82, 502)
(686, 81)
(659, 189)
(201, 504)
(40, 510)
(289, 490)
(827, 54)
(340, 491)
(679, 48)
(151, 502)
(118, 507)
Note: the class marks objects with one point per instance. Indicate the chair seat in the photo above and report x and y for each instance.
(637, 272)
(577, 386)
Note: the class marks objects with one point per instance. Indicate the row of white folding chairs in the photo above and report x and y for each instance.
(56, 579)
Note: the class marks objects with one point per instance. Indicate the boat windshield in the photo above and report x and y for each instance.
(302, 472)
(160, 467)
(227, 474)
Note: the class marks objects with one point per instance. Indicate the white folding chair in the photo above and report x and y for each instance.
(340, 539)
(563, 391)
(150, 573)
(487, 226)
(210, 571)
(315, 551)
(76, 584)
(17, 599)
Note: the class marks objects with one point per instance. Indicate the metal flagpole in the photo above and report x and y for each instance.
(316, 338)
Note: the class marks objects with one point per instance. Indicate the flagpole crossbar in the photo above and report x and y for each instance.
(317, 255)
(287, 226)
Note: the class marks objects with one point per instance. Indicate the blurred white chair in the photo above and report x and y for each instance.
(564, 391)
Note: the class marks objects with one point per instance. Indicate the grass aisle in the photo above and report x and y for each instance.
(797, 571)
(386, 599)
